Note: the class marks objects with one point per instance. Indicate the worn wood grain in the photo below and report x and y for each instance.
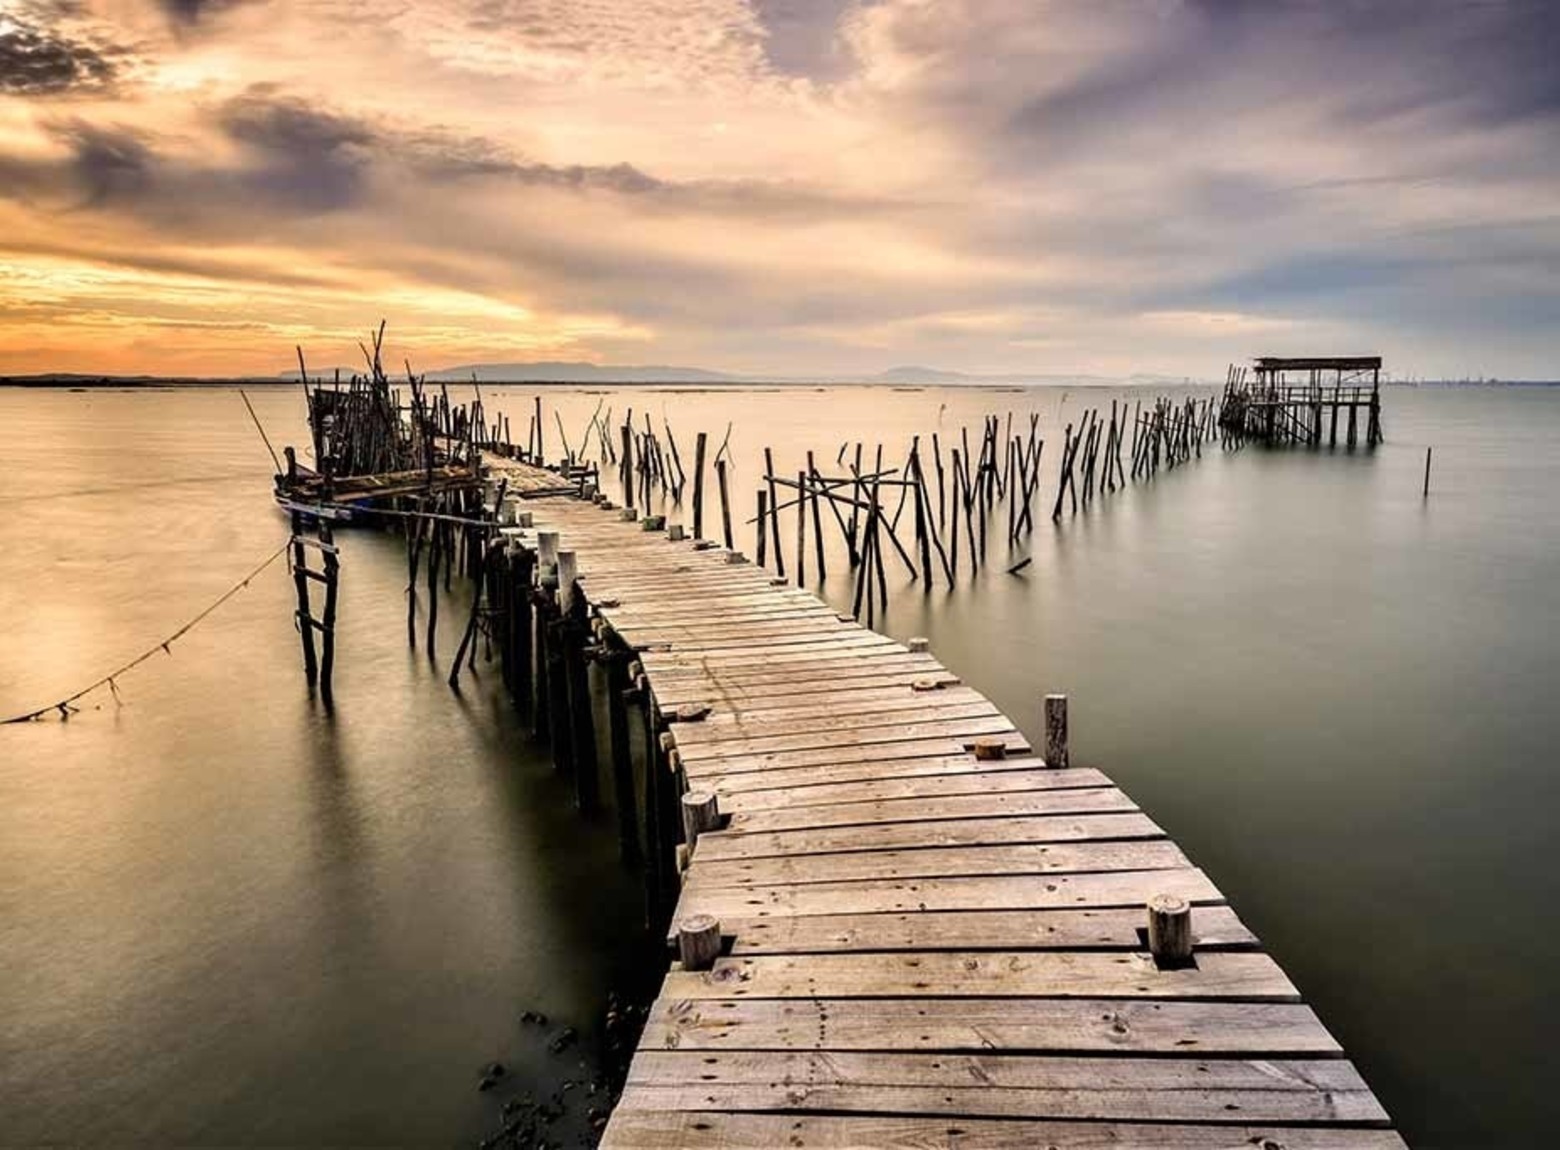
(634, 1128)
(986, 892)
(1031, 1025)
(966, 834)
(1145, 1089)
(1101, 928)
(1244, 976)
(942, 862)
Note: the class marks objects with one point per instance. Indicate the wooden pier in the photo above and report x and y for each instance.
(898, 924)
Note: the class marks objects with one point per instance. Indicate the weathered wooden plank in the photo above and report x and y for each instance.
(940, 862)
(815, 654)
(653, 607)
(1213, 928)
(828, 633)
(842, 699)
(735, 620)
(894, 837)
(1082, 800)
(729, 630)
(740, 692)
(849, 725)
(1145, 1089)
(998, 892)
(842, 737)
(1239, 976)
(633, 1128)
(718, 847)
(1015, 743)
(885, 669)
(1032, 1025)
(892, 779)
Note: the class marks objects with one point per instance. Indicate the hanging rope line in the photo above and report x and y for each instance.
(64, 705)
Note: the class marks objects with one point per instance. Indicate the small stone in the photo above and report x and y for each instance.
(533, 1017)
(561, 1041)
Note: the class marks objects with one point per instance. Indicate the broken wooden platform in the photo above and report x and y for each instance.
(922, 947)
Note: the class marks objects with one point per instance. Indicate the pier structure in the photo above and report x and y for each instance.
(895, 923)
(1298, 401)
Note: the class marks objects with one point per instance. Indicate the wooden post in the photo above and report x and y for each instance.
(616, 663)
(568, 572)
(801, 528)
(522, 573)
(919, 645)
(774, 513)
(1056, 731)
(547, 548)
(328, 616)
(700, 813)
(559, 726)
(674, 532)
(725, 505)
(990, 750)
(305, 618)
(698, 941)
(698, 486)
(817, 516)
(1169, 929)
(582, 733)
(1427, 473)
(657, 906)
(763, 527)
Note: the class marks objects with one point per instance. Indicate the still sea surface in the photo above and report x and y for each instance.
(229, 917)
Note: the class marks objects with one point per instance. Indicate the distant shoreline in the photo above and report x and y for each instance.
(79, 383)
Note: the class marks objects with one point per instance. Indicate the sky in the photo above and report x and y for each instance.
(780, 186)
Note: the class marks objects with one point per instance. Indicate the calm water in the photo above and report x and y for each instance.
(227, 917)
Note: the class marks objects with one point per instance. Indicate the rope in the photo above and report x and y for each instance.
(64, 705)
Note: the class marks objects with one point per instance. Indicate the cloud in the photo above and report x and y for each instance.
(190, 12)
(811, 185)
(37, 61)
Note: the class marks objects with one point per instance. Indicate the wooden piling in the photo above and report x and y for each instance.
(582, 719)
(700, 813)
(817, 516)
(698, 941)
(725, 504)
(801, 528)
(303, 615)
(615, 662)
(1056, 731)
(1169, 929)
(763, 528)
(698, 485)
(774, 513)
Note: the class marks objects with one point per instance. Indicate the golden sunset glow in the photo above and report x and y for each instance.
(782, 186)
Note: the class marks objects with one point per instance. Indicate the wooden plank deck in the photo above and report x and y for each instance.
(922, 948)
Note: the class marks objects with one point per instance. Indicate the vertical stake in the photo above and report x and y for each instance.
(1056, 731)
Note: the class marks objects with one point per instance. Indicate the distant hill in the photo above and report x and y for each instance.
(559, 371)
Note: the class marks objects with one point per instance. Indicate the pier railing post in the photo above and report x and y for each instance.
(1169, 929)
(700, 813)
(1056, 731)
(698, 941)
(615, 662)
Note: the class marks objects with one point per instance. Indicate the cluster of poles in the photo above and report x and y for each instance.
(939, 509)
(948, 500)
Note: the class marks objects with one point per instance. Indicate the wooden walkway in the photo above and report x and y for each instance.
(923, 948)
